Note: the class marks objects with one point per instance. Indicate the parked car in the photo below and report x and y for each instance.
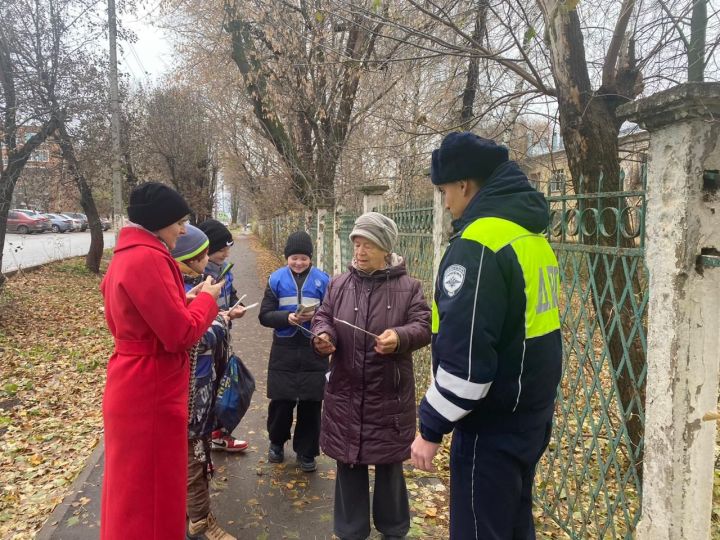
(59, 224)
(106, 224)
(82, 217)
(26, 221)
(76, 223)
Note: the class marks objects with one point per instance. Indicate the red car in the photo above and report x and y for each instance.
(27, 221)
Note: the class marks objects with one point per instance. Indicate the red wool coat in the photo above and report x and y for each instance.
(146, 395)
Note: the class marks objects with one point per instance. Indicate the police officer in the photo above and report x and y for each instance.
(496, 344)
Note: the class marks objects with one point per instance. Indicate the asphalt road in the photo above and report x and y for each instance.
(27, 250)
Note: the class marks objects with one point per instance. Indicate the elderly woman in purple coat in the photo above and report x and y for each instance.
(369, 412)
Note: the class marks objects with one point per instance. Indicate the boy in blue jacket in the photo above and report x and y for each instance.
(296, 373)
(220, 241)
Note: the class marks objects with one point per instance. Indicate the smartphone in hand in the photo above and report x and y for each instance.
(222, 274)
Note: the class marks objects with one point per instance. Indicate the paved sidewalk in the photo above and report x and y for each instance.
(251, 498)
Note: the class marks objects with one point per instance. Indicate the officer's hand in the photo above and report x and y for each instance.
(422, 453)
(387, 342)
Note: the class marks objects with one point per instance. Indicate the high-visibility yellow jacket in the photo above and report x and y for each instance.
(496, 345)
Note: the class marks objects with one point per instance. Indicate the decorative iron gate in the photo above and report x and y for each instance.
(589, 481)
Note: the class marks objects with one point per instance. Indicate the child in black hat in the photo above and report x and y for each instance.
(296, 373)
(220, 240)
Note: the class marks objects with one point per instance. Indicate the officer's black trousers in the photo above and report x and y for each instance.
(306, 439)
(491, 478)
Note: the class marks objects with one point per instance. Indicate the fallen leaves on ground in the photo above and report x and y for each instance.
(267, 261)
(54, 347)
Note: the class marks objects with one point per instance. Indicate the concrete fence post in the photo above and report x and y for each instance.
(320, 257)
(441, 220)
(683, 259)
(337, 241)
(372, 196)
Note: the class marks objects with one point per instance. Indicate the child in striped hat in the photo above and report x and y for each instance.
(191, 254)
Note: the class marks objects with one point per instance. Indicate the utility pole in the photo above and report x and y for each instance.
(115, 121)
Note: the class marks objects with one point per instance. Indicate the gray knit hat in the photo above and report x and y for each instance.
(377, 228)
(190, 244)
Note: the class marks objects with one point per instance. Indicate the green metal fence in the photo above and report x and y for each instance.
(589, 481)
(274, 231)
(345, 226)
(415, 245)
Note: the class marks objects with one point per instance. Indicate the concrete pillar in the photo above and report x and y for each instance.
(372, 196)
(320, 257)
(337, 241)
(441, 226)
(683, 257)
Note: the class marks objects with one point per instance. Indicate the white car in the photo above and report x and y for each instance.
(76, 223)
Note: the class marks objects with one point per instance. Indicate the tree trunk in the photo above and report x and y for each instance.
(16, 163)
(590, 131)
(235, 201)
(696, 51)
(97, 242)
(598, 131)
(7, 186)
(471, 83)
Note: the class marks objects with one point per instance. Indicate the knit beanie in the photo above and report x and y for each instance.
(190, 244)
(217, 233)
(464, 155)
(377, 228)
(155, 206)
(299, 243)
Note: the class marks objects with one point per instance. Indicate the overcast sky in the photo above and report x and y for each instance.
(151, 56)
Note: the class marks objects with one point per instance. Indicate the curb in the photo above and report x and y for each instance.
(53, 520)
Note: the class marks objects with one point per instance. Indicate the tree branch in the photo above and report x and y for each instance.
(609, 68)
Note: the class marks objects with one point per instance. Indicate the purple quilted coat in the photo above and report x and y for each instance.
(369, 411)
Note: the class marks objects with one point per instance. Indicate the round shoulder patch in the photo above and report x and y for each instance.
(453, 279)
(318, 283)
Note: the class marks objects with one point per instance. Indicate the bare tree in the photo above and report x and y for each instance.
(584, 61)
(302, 67)
(179, 132)
(18, 74)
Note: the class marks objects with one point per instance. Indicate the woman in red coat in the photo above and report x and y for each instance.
(145, 408)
